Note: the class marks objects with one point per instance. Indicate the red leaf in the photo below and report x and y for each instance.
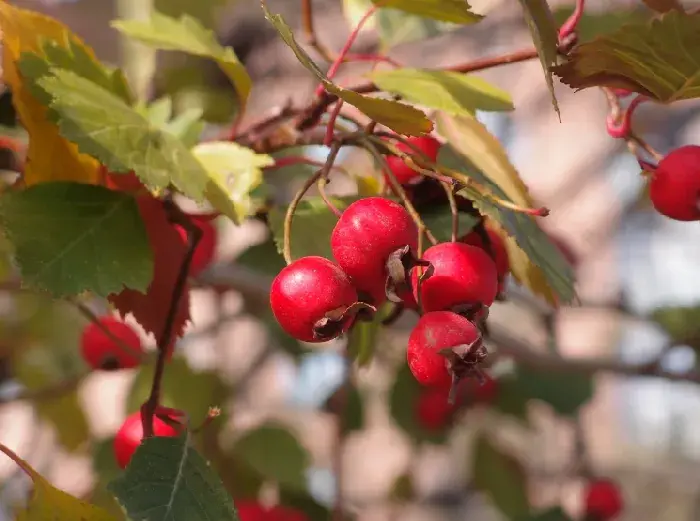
(151, 309)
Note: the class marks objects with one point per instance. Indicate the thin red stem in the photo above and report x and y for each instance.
(569, 26)
(330, 129)
(376, 58)
(623, 129)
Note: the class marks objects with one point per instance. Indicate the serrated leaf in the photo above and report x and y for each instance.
(451, 92)
(439, 221)
(545, 36)
(72, 237)
(593, 24)
(263, 257)
(535, 261)
(48, 502)
(663, 6)
(187, 34)
(682, 324)
(399, 117)
(454, 11)
(274, 453)
(187, 126)
(234, 172)
(501, 477)
(50, 157)
(551, 514)
(102, 125)
(403, 397)
(565, 393)
(655, 59)
(167, 480)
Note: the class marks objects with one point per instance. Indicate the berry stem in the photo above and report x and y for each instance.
(453, 209)
(307, 20)
(289, 216)
(321, 186)
(376, 58)
(194, 235)
(571, 23)
(330, 129)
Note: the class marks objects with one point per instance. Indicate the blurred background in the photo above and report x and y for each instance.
(637, 280)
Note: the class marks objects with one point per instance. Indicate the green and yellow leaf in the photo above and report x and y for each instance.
(454, 11)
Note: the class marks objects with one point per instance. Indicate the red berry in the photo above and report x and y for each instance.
(485, 391)
(498, 251)
(403, 173)
(102, 352)
(125, 182)
(463, 275)
(603, 499)
(368, 232)
(674, 189)
(206, 247)
(433, 409)
(253, 511)
(130, 434)
(304, 292)
(434, 332)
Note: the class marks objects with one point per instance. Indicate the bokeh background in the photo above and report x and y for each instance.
(641, 431)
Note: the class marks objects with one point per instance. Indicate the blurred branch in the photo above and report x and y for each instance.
(307, 17)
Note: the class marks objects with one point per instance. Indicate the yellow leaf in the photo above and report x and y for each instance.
(50, 157)
(47, 502)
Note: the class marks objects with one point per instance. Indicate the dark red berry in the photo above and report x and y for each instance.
(674, 189)
(603, 500)
(433, 408)
(249, 510)
(368, 242)
(206, 247)
(101, 351)
(311, 299)
(404, 174)
(443, 346)
(496, 249)
(130, 434)
(462, 275)
(128, 182)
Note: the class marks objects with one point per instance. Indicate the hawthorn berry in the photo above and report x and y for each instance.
(206, 247)
(249, 510)
(443, 348)
(404, 174)
(101, 351)
(462, 275)
(313, 299)
(130, 434)
(374, 243)
(603, 500)
(128, 182)
(433, 408)
(674, 189)
(496, 250)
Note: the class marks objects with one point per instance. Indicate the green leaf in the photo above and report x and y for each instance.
(263, 257)
(455, 11)
(399, 27)
(545, 36)
(448, 91)
(105, 127)
(399, 117)
(274, 453)
(551, 514)
(187, 126)
(187, 34)
(565, 393)
(168, 480)
(353, 408)
(439, 221)
(535, 261)
(511, 400)
(202, 10)
(362, 338)
(402, 403)
(593, 24)
(681, 323)
(501, 477)
(234, 171)
(106, 469)
(72, 237)
(158, 112)
(655, 59)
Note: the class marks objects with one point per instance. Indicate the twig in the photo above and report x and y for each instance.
(321, 186)
(453, 209)
(194, 235)
(376, 58)
(301, 160)
(307, 18)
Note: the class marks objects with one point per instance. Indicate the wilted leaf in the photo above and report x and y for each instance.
(439, 221)
(655, 59)
(681, 323)
(151, 309)
(187, 34)
(263, 257)
(534, 260)
(545, 35)
(274, 453)
(167, 480)
(595, 23)
(663, 6)
(50, 157)
(566, 393)
(551, 514)
(73, 237)
(102, 125)
(399, 117)
(234, 171)
(455, 11)
(501, 477)
(451, 92)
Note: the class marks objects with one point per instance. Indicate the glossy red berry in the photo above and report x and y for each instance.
(206, 247)
(101, 351)
(430, 342)
(497, 250)
(367, 234)
(433, 409)
(603, 500)
(130, 434)
(310, 299)
(462, 275)
(404, 174)
(253, 511)
(674, 189)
